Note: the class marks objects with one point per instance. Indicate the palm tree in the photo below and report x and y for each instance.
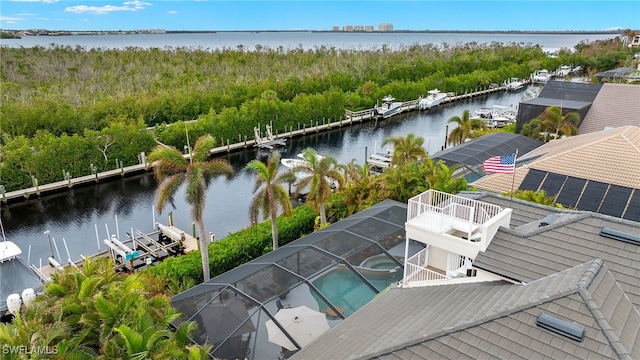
(553, 122)
(270, 194)
(173, 170)
(406, 149)
(442, 179)
(362, 189)
(320, 171)
(464, 128)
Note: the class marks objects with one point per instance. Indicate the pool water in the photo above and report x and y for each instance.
(384, 266)
(380, 262)
(345, 289)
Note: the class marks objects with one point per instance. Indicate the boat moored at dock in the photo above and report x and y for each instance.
(434, 99)
(563, 71)
(495, 117)
(541, 77)
(514, 84)
(388, 108)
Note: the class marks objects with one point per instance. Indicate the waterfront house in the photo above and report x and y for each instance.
(550, 284)
(598, 172)
(569, 96)
(615, 105)
(469, 156)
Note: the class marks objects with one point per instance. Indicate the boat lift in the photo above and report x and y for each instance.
(268, 142)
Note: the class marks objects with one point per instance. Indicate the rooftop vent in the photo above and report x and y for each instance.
(561, 327)
(619, 235)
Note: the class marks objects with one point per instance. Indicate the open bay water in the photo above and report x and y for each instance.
(306, 40)
(75, 215)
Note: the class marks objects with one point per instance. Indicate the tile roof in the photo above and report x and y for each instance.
(527, 253)
(490, 320)
(609, 156)
(616, 105)
(523, 212)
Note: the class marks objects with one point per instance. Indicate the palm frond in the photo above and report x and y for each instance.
(167, 188)
(202, 149)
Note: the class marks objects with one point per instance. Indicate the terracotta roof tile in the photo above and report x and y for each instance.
(609, 156)
(615, 105)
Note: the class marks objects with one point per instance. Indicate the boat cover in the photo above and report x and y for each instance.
(15, 276)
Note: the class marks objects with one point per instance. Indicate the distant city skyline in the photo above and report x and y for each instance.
(215, 15)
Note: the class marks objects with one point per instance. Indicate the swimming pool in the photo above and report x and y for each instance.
(380, 262)
(345, 289)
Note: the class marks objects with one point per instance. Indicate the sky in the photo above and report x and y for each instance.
(217, 15)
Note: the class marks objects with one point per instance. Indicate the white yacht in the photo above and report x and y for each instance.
(388, 108)
(514, 84)
(434, 98)
(495, 117)
(541, 77)
(563, 71)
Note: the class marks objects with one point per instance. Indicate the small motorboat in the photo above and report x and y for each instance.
(388, 108)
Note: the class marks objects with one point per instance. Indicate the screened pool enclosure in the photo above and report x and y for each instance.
(334, 271)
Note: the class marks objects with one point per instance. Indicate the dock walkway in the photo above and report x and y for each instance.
(269, 142)
(143, 249)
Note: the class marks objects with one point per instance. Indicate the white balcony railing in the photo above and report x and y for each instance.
(439, 211)
(416, 268)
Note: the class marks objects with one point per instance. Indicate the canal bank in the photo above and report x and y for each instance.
(350, 119)
(73, 214)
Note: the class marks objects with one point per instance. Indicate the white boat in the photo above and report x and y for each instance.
(380, 161)
(541, 77)
(434, 98)
(291, 163)
(19, 283)
(563, 71)
(514, 84)
(388, 108)
(495, 117)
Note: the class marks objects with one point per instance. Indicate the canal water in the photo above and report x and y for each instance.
(78, 214)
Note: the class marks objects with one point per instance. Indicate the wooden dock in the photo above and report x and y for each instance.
(138, 251)
(269, 142)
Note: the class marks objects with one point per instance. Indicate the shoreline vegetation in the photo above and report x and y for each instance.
(70, 112)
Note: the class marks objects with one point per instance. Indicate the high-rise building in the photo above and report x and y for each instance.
(385, 27)
(347, 28)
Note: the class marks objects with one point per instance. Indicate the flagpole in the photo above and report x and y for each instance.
(513, 177)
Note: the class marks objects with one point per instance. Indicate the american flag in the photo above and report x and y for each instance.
(504, 164)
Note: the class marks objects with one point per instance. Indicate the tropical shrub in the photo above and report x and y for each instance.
(238, 248)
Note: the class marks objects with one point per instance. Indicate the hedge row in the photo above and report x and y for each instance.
(238, 248)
